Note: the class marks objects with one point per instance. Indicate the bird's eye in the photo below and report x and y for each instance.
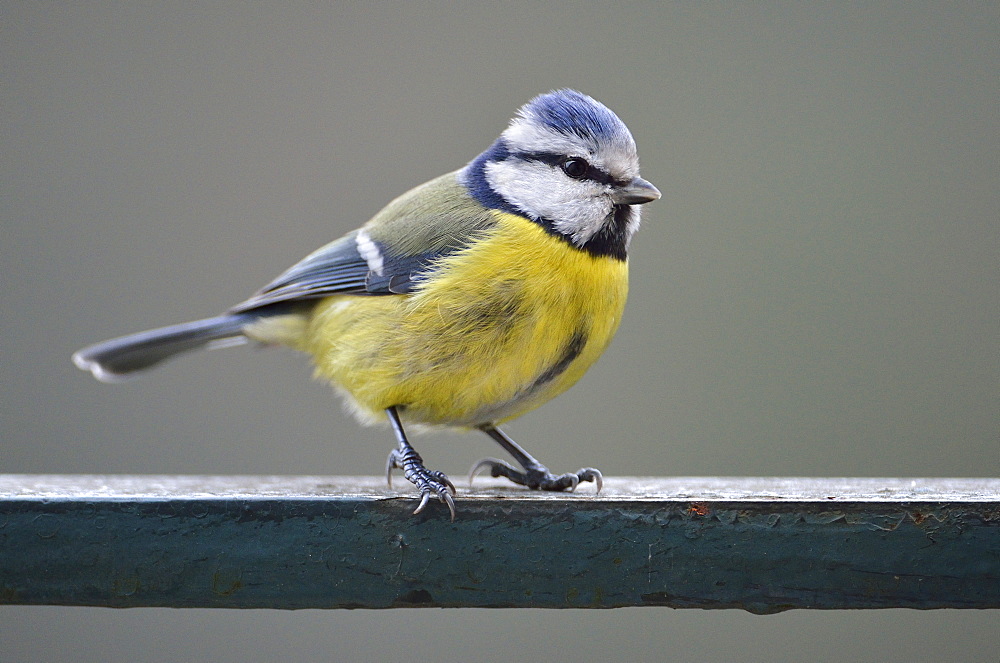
(575, 167)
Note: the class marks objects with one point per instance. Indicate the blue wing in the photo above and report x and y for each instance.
(339, 269)
(433, 220)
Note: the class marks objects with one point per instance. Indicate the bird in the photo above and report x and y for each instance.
(465, 302)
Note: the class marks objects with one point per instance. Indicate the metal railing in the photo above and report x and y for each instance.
(759, 544)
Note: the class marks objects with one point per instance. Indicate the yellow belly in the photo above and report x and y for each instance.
(503, 327)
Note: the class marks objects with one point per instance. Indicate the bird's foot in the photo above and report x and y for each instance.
(429, 483)
(536, 476)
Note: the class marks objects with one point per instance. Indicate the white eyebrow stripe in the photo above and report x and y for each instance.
(525, 136)
(615, 156)
(370, 252)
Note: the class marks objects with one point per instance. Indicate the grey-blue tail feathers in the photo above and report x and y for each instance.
(115, 360)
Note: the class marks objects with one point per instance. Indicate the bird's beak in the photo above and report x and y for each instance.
(636, 192)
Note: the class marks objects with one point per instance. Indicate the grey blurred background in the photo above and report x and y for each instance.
(815, 294)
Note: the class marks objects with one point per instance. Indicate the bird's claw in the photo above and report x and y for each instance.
(538, 477)
(443, 496)
(428, 482)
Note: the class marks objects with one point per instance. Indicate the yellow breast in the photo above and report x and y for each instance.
(501, 327)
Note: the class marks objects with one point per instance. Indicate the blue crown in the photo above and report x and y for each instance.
(572, 113)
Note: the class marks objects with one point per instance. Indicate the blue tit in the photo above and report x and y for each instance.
(465, 302)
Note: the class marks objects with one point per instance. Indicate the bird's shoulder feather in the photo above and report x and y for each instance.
(388, 254)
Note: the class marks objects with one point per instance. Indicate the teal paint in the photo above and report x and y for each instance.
(351, 545)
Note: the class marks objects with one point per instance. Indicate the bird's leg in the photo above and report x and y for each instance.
(406, 458)
(534, 475)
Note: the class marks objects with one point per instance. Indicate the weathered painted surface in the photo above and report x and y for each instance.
(762, 545)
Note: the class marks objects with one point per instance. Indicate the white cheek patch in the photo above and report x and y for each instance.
(576, 208)
(521, 183)
(369, 251)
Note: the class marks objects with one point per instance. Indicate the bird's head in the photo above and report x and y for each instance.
(567, 162)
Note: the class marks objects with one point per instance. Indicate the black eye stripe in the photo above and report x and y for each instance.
(593, 174)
